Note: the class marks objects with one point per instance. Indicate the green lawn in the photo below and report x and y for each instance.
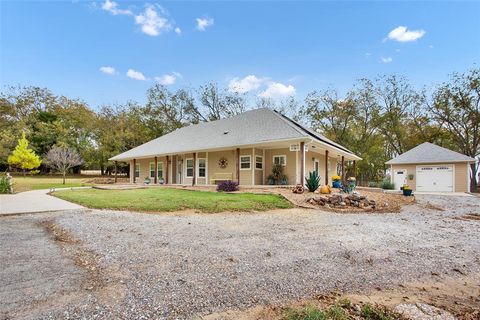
(21, 184)
(166, 200)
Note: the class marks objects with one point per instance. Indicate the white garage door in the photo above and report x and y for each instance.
(435, 178)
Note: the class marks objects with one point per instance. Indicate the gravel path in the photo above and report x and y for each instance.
(187, 265)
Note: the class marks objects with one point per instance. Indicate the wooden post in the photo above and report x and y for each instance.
(354, 169)
(115, 172)
(238, 165)
(134, 170)
(166, 176)
(194, 182)
(156, 171)
(326, 166)
(343, 169)
(302, 163)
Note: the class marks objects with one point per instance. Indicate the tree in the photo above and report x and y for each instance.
(63, 159)
(456, 107)
(24, 158)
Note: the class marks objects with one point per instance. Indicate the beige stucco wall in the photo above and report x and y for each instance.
(290, 167)
(460, 174)
(461, 177)
(213, 167)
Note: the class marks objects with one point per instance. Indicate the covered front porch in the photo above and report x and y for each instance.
(248, 165)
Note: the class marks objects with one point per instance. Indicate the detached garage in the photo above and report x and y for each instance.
(431, 168)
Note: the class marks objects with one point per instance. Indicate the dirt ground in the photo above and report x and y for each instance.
(108, 264)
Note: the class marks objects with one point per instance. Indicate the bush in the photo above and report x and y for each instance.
(386, 184)
(4, 186)
(370, 312)
(374, 184)
(313, 181)
(227, 186)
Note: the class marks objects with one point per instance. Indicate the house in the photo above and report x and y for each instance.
(242, 148)
(429, 167)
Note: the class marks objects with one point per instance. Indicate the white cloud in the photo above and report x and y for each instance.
(166, 79)
(402, 34)
(203, 23)
(244, 85)
(386, 60)
(431, 46)
(108, 70)
(137, 75)
(153, 22)
(277, 90)
(112, 7)
(177, 74)
(178, 30)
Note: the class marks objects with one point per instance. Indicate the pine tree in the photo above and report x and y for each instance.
(23, 157)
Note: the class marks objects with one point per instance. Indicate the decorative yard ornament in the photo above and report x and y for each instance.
(223, 162)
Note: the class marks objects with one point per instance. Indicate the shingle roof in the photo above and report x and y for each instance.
(249, 128)
(429, 153)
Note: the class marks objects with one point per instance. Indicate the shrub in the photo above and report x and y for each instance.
(4, 185)
(374, 184)
(313, 181)
(370, 312)
(387, 185)
(227, 186)
(306, 313)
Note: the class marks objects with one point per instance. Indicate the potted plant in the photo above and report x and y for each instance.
(407, 191)
(352, 184)
(161, 181)
(277, 177)
(146, 180)
(336, 181)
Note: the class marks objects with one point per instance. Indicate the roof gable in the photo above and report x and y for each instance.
(429, 153)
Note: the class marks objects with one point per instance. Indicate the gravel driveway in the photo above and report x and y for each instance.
(106, 264)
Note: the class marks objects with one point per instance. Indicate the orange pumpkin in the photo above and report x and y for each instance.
(325, 189)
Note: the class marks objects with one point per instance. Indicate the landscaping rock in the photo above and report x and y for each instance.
(422, 311)
(343, 200)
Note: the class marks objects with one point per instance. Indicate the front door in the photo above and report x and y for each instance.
(399, 178)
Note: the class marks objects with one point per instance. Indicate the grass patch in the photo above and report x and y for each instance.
(167, 200)
(340, 310)
(21, 184)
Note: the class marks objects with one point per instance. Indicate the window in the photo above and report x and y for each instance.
(137, 170)
(160, 170)
(281, 160)
(152, 170)
(202, 168)
(258, 162)
(189, 168)
(245, 163)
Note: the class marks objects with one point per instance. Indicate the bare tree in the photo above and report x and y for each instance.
(63, 159)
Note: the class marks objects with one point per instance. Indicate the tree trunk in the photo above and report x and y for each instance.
(473, 178)
(24, 173)
(64, 173)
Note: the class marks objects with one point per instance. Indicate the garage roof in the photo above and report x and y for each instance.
(430, 153)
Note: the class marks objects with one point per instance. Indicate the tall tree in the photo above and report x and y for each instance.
(456, 107)
(23, 157)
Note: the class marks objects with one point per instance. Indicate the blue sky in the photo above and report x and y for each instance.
(85, 49)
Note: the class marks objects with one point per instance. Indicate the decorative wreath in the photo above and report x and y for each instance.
(223, 163)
